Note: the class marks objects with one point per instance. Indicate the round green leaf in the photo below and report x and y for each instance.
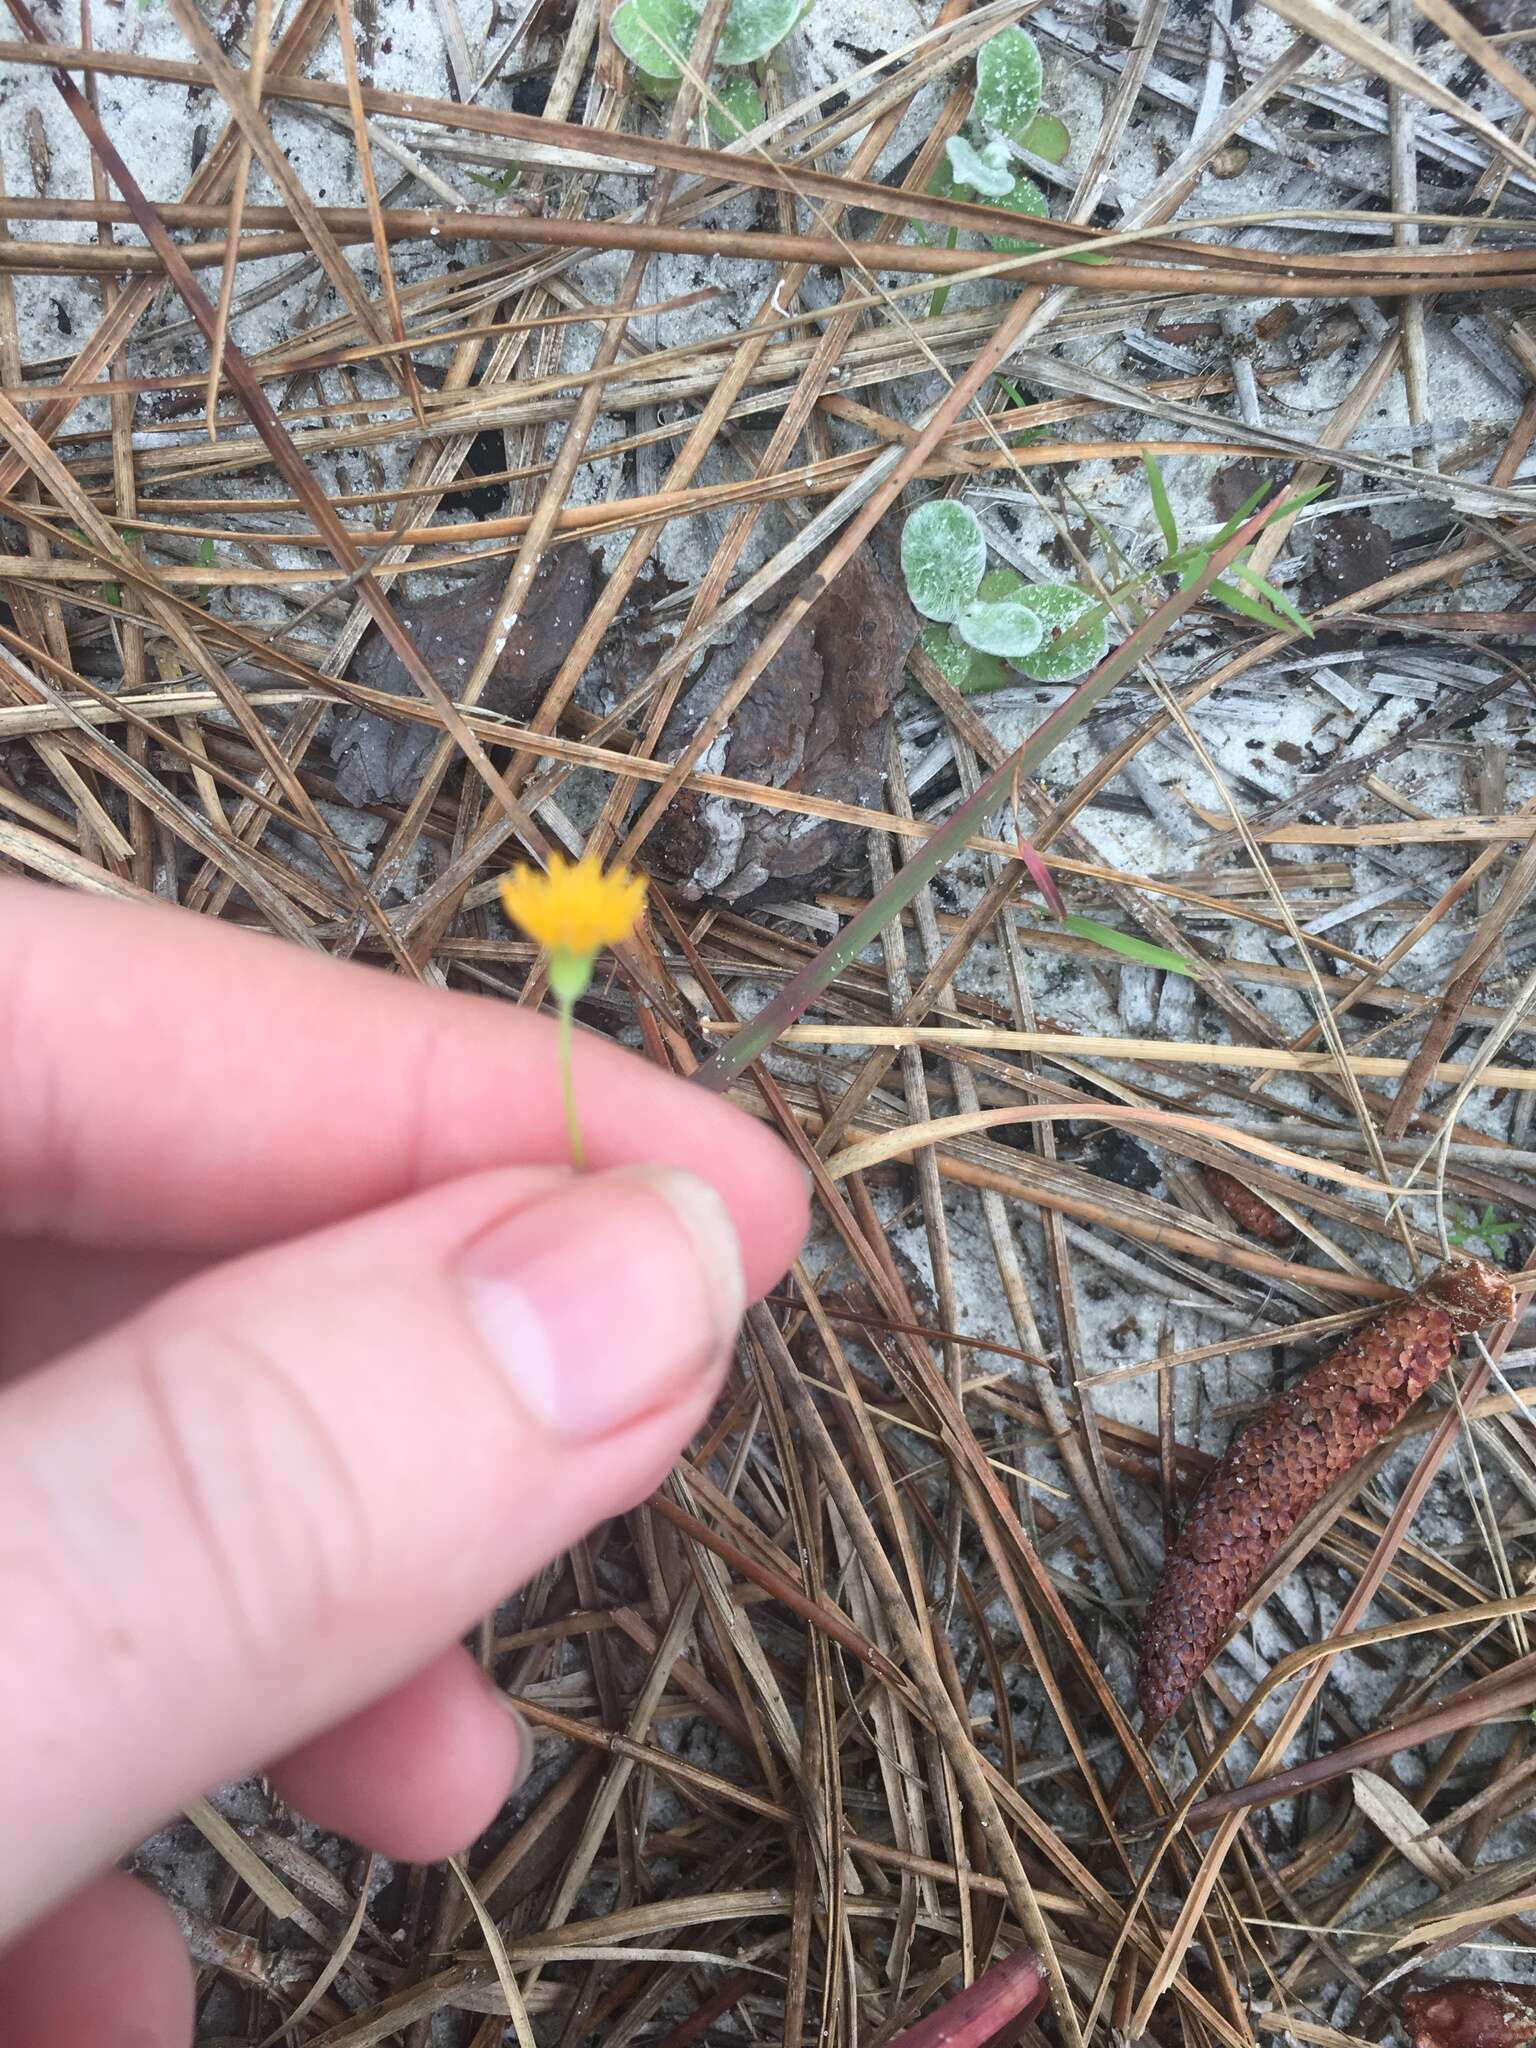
(647, 30)
(754, 27)
(999, 584)
(1048, 136)
(984, 170)
(1007, 84)
(1010, 629)
(737, 107)
(943, 554)
(1059, 607)
(966, 668)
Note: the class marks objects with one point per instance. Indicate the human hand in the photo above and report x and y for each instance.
(311, 1350)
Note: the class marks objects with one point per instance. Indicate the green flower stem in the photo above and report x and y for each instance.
(567, 1010)
(570, 976)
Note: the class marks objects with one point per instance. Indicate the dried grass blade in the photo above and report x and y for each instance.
(505, 1976)
(1329, 24)
(276, 439)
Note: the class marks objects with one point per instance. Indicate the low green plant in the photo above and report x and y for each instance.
(982, 620)
(1005, 118)
(499, 183)
(987, 622)
(656, 36)
(1486, 1230)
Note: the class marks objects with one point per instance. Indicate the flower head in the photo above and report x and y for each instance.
(573, 909)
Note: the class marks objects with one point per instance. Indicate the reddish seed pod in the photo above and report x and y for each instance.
(1247, 1208)
(1469, 2012)
(1278, 1468)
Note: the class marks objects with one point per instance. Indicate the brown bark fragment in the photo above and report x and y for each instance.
(1247, 1208)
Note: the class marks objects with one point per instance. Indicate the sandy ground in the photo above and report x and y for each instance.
(1278, 726)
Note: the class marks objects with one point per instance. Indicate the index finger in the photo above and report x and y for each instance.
(176, 1083)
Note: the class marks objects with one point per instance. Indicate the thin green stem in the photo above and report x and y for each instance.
(567, 1009)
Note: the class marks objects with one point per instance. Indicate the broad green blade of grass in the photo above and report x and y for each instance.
(797, 995)
(1128, 944)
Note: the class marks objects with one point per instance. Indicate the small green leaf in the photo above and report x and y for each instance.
(967, 669)
(1485, 1229)
(1047, 136)
(1023, 196)
(1010, 629)
(998, 585)
(1007, 84)
(1133, 948)
(500, 183)
(941, 185)
(754, 27)
(737, 107)
(648, 31)
(205, 554)
(943, 555)
(1160, 504)
(113, 595)
(1276, 599)
(1065, 653)
(985, 170)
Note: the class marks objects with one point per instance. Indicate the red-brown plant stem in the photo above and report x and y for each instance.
(1276, 1470)
(1509, 1691)
(1004, 1997)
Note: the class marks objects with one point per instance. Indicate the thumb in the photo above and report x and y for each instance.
(281, 1488)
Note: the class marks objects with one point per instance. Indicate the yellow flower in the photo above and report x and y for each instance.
(574, 909)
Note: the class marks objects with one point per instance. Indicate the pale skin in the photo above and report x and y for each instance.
(311, 1350)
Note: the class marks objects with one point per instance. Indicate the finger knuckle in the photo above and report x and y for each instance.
(274, 1512)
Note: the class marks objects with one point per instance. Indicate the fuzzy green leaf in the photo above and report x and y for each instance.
(655, 35)
(967, 669)
(1023, 196)
(1000, 584)
(943, 555)
(649, 31)
(754, 27)
(1007, 84)
(1009, 629)
(1046, 136)
(1064, 654)
(737, 107)
(983, 170)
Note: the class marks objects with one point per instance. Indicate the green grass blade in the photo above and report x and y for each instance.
(1141, 950)
(1161, 505)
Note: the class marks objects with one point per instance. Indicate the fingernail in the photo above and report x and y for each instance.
(526, 1740)
(618, 1294)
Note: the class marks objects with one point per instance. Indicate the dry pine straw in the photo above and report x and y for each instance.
(844, 1713)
